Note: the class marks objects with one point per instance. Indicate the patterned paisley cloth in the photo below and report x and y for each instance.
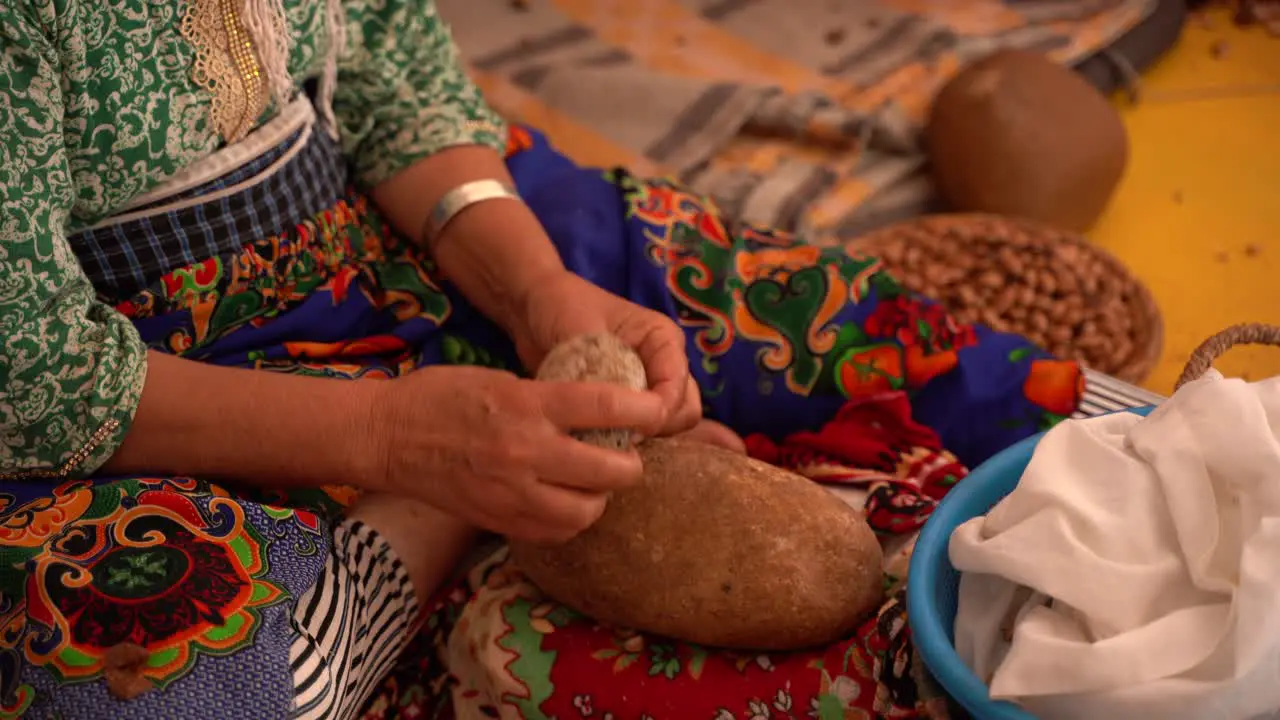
(171, 597)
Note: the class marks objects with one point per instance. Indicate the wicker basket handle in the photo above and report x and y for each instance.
(1247, 334)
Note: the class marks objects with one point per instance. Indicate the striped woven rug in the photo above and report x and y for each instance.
(799, 114)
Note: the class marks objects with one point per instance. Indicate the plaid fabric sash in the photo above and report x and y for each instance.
(124, 258)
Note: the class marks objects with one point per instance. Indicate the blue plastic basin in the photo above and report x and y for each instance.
(933, 585)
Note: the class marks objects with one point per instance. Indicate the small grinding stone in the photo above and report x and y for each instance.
(596, 358)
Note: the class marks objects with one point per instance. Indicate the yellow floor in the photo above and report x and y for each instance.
(1197, 216)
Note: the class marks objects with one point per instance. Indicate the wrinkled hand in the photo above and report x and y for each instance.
(495, 450)
(568, 306)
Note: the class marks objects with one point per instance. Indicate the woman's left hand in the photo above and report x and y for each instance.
(567, 306)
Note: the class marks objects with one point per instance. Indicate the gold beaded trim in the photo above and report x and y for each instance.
(482, 126)
(246, 62)
(227, 65)
(76, 460)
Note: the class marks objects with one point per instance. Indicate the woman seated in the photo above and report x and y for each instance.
(268, 281)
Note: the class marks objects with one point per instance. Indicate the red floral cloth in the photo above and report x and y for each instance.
(495, 647)
(873, 445)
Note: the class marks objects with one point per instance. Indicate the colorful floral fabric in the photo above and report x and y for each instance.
(874, 446)
(197, 576)
(780, 332)
(511, 653)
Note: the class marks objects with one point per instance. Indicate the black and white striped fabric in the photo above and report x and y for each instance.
(351, 626)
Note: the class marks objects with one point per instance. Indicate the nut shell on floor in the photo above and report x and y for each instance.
(718, 549)
(1053, 286)
(1017, 134)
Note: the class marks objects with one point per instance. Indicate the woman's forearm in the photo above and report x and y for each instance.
(495, 251)
(263, 428)
(285, 430)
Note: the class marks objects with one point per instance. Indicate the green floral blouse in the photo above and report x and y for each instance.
(98, 104)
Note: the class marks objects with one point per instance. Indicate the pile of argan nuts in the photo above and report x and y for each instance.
(1061, 295)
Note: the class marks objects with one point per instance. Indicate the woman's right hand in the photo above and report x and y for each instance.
(495, 450)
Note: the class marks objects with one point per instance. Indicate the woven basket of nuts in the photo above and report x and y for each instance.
(1067, 295)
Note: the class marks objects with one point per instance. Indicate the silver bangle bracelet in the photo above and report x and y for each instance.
(461, 198)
